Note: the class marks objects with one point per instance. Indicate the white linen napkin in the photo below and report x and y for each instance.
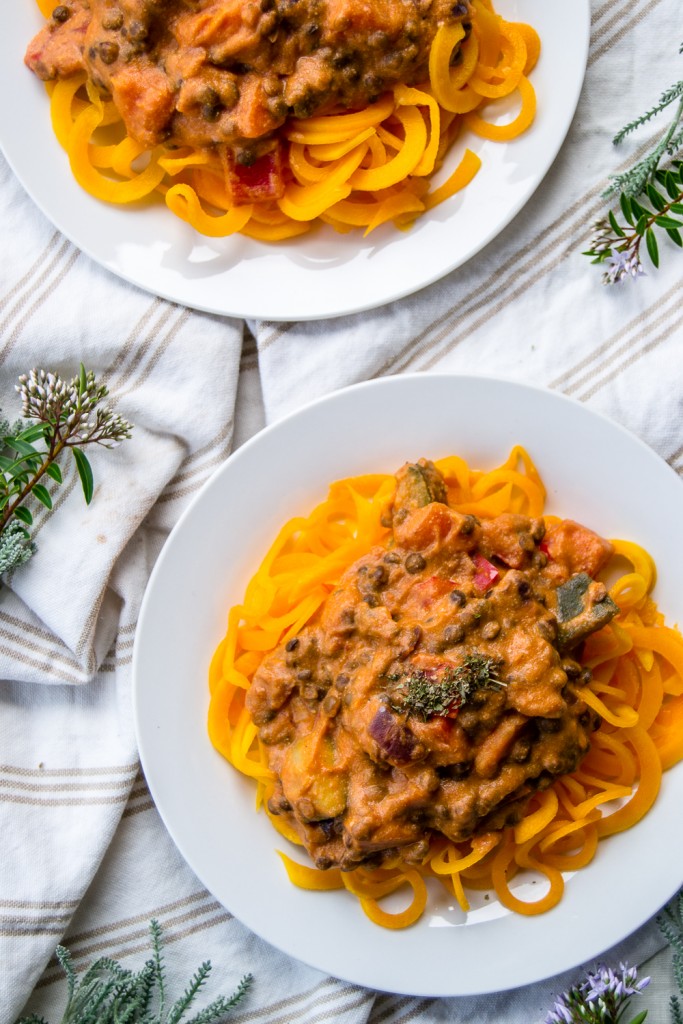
(84, 856)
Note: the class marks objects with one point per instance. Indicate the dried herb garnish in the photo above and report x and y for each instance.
(428, 693)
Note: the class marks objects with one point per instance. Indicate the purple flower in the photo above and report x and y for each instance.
(620, 264)
(599, 999)
(560, 1013)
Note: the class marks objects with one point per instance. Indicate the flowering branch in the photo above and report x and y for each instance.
(617, 245)
(601, 998)
(65, 416)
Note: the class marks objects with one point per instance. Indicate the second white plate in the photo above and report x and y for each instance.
(326, 274)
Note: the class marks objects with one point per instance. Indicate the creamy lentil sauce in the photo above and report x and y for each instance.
(208, 72)
(437, 689)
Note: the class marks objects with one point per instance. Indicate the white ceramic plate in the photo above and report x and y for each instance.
(595, 472)
(327, 274)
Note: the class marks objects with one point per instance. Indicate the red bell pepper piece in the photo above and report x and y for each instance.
(257, 182)
(485, 575)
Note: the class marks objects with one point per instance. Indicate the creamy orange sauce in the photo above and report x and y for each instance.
(437, 689)
(207, 72)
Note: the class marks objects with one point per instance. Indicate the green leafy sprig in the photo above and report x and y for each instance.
(671, 924)
(617, 243)
(57, 416)
(650, 198)
(107, 993)
(601, 998)
(604, 995)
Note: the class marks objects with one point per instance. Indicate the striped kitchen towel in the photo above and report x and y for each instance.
(68, 758)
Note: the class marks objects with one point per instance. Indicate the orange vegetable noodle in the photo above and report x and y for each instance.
(351, 169)
(636, 688)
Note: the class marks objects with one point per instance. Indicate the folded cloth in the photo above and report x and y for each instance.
(68, 616)
(83, 853)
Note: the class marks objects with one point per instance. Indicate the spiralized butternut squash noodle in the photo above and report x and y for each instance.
(351, 170)
(636, 689)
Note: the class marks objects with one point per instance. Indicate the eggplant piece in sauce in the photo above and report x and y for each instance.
(583, 606)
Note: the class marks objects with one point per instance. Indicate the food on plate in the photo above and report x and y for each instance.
(436, 690)
(265, 116)
(194, 74)
(429, 678)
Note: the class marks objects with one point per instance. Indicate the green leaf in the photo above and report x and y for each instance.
(676, 207)
(641, 226)
(655, 197)
(24, 514)
(19, 468)
(85, 473)
(615, 226)
(55, 472)
(668, 222)
(675, 236)
(43, 495)
(640, 1017)
(34, 461)
(652, 247)
(6, 464)
(638, 210)
(21, 447)
(671, 184)
(23, 463)
(82, 379)
(33, 433)
(625, 203)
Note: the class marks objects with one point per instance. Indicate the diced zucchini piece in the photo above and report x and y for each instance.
(418, 484)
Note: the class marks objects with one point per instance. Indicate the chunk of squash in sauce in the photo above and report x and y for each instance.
(313, 758)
